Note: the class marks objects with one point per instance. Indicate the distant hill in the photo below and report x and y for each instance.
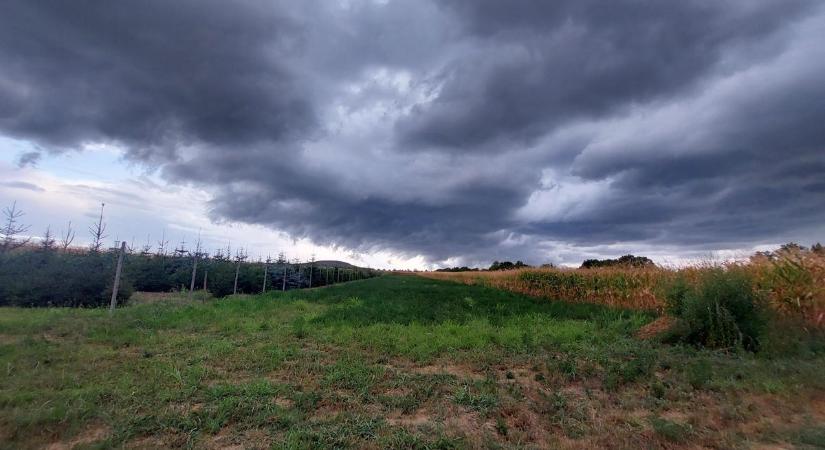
(333, 263)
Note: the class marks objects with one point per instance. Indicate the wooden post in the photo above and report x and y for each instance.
(205, 274)
(116, 286)
(237, 269)
(283, 288)
(194, 271)
(266, 269)
(310, 275)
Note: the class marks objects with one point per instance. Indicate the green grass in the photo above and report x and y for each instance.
(391, 362)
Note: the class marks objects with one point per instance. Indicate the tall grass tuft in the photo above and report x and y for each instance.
(722, 311)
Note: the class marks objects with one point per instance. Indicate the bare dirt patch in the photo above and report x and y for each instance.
(524, 424)
(8, 339)
(283, 402)
(228, 439)
(656, 328)
(470, 425)
(146, 442)
(88, 436)
(397, 392)
(450, 369)
(418, 418)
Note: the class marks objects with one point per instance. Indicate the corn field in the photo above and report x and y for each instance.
(792, 282)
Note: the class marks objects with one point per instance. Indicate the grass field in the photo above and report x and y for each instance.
(391, 362)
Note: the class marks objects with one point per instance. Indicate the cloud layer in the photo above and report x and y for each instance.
(461, 131)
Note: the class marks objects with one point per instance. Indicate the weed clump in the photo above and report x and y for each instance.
(672, 431)
(722, 311)
(480, 396)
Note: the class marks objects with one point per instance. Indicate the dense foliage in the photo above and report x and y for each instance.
(624, 261)
(48, 277)
(457, 269)
(507, 265)
(723, 310)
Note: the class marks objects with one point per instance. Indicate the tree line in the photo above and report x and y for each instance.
(50, 271)
(496, 265)
(624, 261)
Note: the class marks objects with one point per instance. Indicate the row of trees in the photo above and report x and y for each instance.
(624, 261)
(496, 265)
(51, 272)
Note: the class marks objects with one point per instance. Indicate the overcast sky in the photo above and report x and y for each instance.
(421, 132)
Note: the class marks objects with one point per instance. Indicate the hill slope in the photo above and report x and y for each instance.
(390, 362)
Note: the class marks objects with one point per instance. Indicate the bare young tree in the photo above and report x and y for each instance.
(162, 243)
(10, 238)
(98, 232)
(240, 256)
(67, 238)
(147, 247)
(47, 242)
(181, 249)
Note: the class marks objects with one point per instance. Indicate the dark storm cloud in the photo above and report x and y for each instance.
(471, 130)
(540, 64)
(150, 75)
(294, 197)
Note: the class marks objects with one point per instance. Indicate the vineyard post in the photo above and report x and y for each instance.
(266, 269)
(205, 274)
(237, 269)
(116, 285)
(311, 269)
(194, 271)
(283, 287)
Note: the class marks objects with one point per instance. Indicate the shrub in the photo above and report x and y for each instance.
(699, 374)
(722, 311)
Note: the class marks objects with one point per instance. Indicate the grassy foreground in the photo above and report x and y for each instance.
(391, 362)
